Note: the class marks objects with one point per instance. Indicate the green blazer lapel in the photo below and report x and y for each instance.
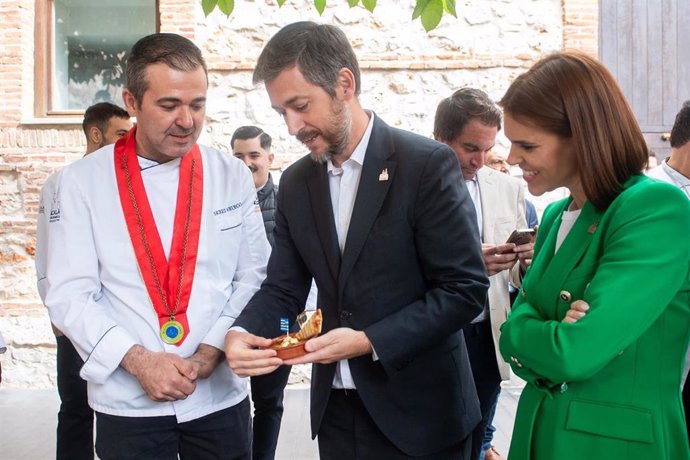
(377, 175)
(545, 244)
(322, 209)
(555, 270)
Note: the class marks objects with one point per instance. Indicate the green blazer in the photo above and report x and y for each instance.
(607, 386)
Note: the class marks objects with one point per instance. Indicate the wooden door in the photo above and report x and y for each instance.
(646, 44)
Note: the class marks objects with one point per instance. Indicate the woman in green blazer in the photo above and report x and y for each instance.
(602, 324)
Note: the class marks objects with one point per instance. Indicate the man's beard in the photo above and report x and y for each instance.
(337, 135)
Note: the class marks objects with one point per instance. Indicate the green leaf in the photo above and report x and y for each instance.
(352, 3)
(369, 4)
(320, 6)
(419, 7)
(226, 6)
(449, 7)
(432, 14)
(281, 2)
(208, 6)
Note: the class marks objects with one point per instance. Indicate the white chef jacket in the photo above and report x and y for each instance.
(89, 279)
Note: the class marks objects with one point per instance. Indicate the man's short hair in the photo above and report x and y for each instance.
(99, 115)
(251, 132)
(319, 51)
(456, 111)
(173, 50)
(680, 134)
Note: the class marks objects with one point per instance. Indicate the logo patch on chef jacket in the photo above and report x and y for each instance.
(55, 209)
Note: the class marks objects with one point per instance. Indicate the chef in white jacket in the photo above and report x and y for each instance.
(153, 246)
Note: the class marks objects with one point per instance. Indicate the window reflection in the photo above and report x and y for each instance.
(91, 43)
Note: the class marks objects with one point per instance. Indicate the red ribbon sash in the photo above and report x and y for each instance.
(175, 277)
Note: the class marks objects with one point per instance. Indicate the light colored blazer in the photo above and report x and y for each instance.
(607, 386)
(503, 210)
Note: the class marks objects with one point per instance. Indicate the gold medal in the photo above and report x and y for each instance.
(172, 332)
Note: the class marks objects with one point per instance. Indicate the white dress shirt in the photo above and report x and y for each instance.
(473, 188)
(343, 183)
(666, 173)
(89, 279)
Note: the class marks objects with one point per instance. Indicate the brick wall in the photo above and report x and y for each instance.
(178, 16)
(581, 25)
(405, 73)
(12, 38)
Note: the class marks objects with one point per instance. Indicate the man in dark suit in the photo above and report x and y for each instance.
(382, 220)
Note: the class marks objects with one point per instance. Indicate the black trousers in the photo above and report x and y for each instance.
(482, 353)
(347, 432)
(225, 434)
(267, 396)
(75, 418)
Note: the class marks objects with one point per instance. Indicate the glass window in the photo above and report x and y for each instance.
(88, 44)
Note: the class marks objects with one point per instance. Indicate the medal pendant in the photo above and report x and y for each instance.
(172, 332)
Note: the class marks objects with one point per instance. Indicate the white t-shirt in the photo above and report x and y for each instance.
(567, 222)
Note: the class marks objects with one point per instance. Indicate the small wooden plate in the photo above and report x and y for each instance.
(289, 352)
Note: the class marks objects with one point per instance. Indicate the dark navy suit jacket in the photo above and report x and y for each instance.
(411, 276)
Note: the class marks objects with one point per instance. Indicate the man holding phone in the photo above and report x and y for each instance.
(468, 122)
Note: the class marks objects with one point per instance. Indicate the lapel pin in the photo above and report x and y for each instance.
(384, 175)
(593, 228)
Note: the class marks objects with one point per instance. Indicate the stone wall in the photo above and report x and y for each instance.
(581, 25)
(405, 73)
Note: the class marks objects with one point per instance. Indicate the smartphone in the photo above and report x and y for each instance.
(521, 236)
